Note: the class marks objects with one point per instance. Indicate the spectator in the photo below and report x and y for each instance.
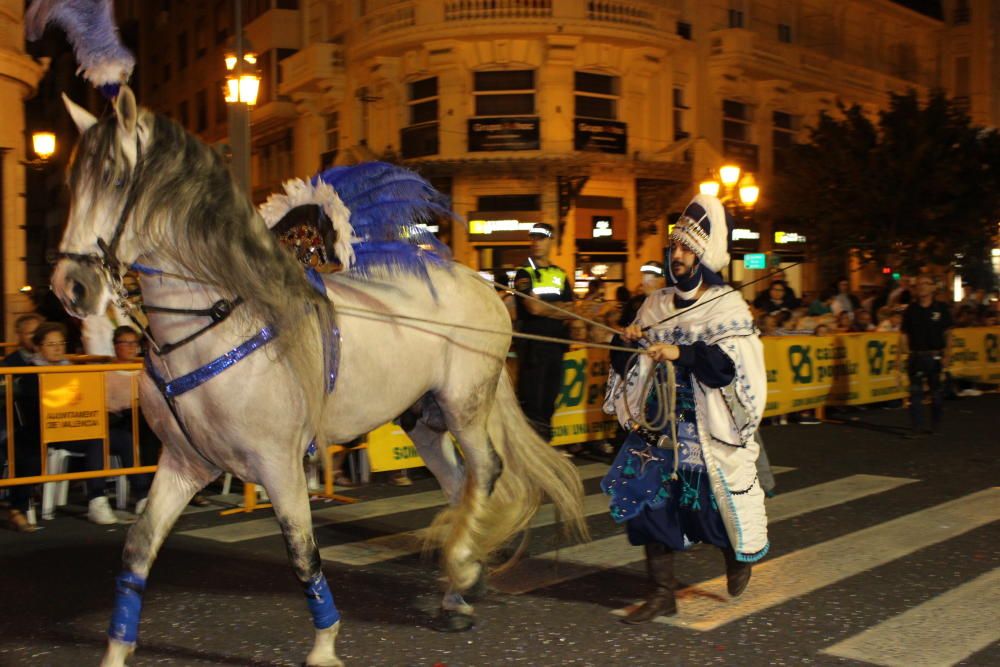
(843, 300)
(500, 276)
(118, 386)
(652, 281)
(578, 331)
(862, 321)
(768, 325)
(843, 323)
(25, 327)
(823, 304)
(773, 298)
(823, 330)
(927, 337)
(889, 319)
(778, 296)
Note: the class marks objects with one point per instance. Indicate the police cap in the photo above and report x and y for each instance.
(652, 268)
(542, 229)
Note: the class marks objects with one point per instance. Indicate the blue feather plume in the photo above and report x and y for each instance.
(389, 206)
(90, 27)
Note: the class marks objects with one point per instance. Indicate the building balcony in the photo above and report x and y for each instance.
(317, 68)
(811, 69)
(276, 29)
(271, 116)
(401, 20)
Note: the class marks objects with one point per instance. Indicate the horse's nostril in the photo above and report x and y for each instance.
(79, 291)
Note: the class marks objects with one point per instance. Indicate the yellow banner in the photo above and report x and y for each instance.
(975, 354)
(72, 406)
(389, 448)
(578, 416)
(804, 372)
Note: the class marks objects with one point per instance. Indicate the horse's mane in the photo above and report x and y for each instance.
(191, 213)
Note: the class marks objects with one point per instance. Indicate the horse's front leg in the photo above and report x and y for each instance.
(290, 498)
(176, 481)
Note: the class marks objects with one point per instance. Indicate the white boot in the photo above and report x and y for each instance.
(99, 512)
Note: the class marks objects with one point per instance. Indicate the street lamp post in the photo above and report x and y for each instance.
(242, 86)
(737, 190)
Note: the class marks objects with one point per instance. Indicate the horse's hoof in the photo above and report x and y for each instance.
(453, 621)
(479, 589)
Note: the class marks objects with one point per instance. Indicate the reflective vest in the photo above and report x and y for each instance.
(547, 282)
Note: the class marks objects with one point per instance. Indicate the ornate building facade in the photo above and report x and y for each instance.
(597, 116)
(19, 76)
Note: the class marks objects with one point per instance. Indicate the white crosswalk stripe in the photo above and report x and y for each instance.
(939, 632)
(776, 581)
(242, 531)
(396, 545)
(583, 559)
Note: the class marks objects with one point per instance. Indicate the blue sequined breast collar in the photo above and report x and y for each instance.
(200, 376)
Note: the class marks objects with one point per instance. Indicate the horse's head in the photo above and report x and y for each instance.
(100, 240)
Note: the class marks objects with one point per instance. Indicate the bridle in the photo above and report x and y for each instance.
(113, 268)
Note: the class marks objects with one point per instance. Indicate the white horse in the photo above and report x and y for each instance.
(247, 392)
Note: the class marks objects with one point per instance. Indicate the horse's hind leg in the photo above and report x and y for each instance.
(287, 489)
(176, 481)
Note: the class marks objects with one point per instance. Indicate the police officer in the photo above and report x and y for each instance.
(541, 363)
(652, 281)
(926, 330)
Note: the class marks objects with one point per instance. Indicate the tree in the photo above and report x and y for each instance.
(920, 187)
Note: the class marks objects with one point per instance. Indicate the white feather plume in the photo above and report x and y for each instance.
(300, 193)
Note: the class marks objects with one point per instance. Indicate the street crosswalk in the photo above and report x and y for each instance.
(944, 629)
(396, 545)
(583, 559)
(254, 529)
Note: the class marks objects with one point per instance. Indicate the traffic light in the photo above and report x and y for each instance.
(886, 270)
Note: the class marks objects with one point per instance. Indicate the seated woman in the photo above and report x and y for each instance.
(118, 387)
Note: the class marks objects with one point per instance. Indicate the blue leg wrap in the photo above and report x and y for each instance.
(320, 601)
(128, 607)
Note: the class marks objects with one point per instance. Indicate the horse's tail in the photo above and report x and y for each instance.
(532, 470)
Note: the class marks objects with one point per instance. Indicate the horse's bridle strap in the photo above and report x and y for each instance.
(219, 312)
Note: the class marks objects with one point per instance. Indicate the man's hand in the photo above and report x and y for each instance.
(664, 352)
(632, 333)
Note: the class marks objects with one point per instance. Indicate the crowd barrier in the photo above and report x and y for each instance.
(803, 372)
(71, 408)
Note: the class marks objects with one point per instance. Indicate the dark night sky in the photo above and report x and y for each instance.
(929, 7)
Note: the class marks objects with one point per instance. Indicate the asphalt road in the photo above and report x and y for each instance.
(884, 551)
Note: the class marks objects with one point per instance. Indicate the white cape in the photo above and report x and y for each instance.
(727, 417)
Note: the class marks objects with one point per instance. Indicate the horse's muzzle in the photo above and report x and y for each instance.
(79, 286)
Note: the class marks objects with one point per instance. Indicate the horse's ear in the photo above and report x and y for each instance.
(84, 119)
(126, 110)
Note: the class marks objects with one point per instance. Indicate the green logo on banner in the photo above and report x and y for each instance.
(875, 351)
(802, 368)
(990, 343)
(574, 383)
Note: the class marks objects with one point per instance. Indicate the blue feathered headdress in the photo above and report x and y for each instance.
(90, 27)
(390, 208)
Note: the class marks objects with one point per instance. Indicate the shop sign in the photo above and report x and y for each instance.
(502, 225)
(742, 234)
(602, 136)
(755, 260)
(784, 238)
(509, 133)
(602, 226)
